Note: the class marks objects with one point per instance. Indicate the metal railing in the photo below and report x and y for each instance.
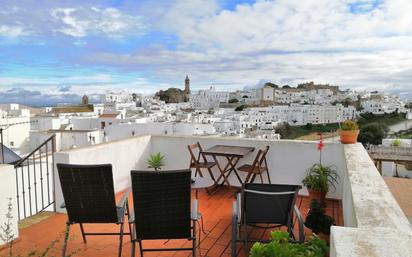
(380, 149)
(35, 180)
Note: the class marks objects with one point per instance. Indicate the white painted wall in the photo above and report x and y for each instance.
(124, 155)
(15, 135)
(288, 160)
(8, 190)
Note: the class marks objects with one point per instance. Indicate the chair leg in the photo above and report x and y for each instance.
(267, 173)
(82, 230)
(194, 239)
(249, 174)
(245, 246)
(261, 178)
(121, 239)
(253, 178)
(66, 237)
(128, 218)
(133, 248)
(141, 248)
(211, 175)
(234, 236)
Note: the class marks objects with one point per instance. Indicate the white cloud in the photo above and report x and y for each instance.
(13, 31)
(80, 22)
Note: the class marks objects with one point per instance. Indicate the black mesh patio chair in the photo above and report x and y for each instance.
(161, 201)
(270, 204)
(89, 197)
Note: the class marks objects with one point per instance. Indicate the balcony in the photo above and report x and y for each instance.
(369, 220)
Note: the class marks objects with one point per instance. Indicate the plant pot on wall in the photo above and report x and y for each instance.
(316, 195)
(349, 132)
(348, 136)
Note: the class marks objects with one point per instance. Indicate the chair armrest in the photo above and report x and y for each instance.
(194, 213)
(124, 198)
(300, 224)
(131, 216)
(239, 206)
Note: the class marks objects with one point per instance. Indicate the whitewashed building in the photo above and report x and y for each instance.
(208, 98)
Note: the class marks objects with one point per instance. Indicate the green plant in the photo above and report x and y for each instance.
(233, 100)
(349, 125)
(320, 178)
(6, 230)
(371, 133)
(155, 161)
(240, 108)
(317, 220)
(396, 142)
(280, 246)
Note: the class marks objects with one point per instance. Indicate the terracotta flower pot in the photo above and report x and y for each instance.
(316, 195)
(348, 136)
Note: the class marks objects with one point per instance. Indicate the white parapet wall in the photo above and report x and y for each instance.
(7, 191)
(374, 222)
(288, 160)
(124, 155)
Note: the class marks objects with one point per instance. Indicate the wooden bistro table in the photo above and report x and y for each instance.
(232, 154)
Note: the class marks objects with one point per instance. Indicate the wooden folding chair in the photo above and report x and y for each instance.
(258, 167)
(200, 162)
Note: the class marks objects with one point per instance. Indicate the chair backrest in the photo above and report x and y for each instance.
(193, 158)
(260, 159)
(161, 202)
(88, 193)
(268, 203)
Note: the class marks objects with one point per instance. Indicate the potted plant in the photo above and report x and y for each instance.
(280, 245)
(396, 143)
(318, 180)
(318, 221)
(349, 132)
(155, 161)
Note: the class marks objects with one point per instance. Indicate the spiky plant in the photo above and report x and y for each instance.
(155, 161)
(6, 230)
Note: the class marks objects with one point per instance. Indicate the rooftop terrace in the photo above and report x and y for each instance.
(369, 220)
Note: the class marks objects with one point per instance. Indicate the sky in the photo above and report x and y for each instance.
(55, 51)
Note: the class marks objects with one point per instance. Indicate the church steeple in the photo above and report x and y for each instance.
(187, 85)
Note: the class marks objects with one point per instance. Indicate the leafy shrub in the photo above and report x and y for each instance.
(233, 101)
(240, 108)
(371, 133)
(280, 246)
(396, 142)
(320, 177)
(349, 125)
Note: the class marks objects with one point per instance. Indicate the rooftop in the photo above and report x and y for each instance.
(369, 220)
(215, 208)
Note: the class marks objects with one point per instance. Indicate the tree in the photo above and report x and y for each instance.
(271, 85)
(240, 108)
(371, 133)
(284, 130)
(286, 86)
(233, 101)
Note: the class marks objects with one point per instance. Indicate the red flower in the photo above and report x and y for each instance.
(320, 144)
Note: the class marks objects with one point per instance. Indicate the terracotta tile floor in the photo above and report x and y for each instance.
(216, 210)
